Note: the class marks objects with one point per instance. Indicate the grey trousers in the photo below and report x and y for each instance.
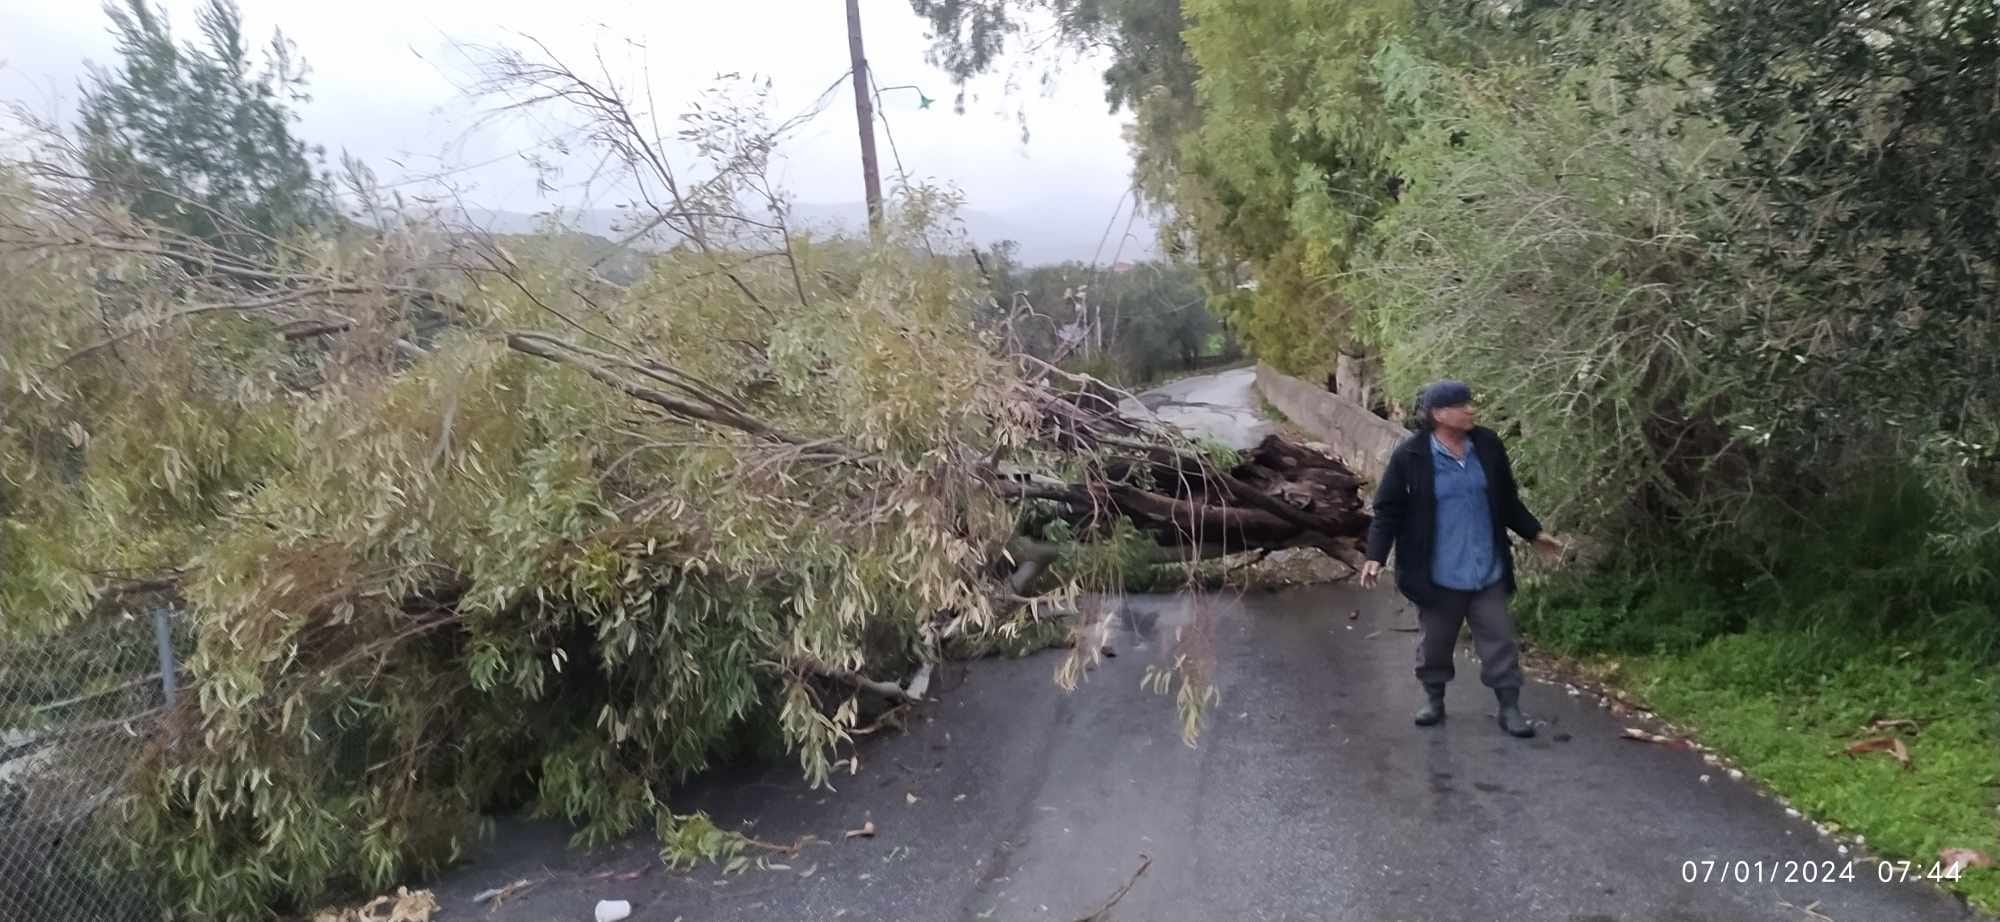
(1492, 634)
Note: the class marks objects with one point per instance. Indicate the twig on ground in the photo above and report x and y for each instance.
(789, 851)
(1103, 912)
(501, 894)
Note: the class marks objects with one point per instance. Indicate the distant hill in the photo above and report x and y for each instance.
(1041, 241)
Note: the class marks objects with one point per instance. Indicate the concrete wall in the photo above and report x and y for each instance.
(1359, 438)
(1350, 377)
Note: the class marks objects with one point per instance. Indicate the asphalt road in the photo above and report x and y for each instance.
(1221, 406)
(1310, 795)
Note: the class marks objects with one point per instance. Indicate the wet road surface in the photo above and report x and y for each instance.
(1309, 796)
(1222, 406)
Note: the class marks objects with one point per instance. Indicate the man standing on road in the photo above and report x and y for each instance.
(1445, 504)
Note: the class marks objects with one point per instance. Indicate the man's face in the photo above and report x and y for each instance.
(1461, 416)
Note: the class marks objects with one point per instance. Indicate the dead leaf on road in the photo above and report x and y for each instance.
(1888, 744)
(1958, 859)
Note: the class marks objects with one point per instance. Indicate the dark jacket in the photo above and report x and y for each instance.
(1406, 512)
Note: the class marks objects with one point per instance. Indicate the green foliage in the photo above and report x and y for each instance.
(1105, 562)
(1240, 153)
(1142, 38)
(1291, 119)
(1857, 580)
(104, 480)
(1596, 246)
(198, 138)
(1869, 131)
(1869, 128)
(1553, 248)
(1155, 317)
(1292, 320)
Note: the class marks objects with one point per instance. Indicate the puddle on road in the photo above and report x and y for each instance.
(1156, 626)
(1152, 621)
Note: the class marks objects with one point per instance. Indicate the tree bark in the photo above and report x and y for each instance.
(1283, 495)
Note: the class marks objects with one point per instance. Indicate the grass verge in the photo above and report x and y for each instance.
(1783, 689)
(1795, 742)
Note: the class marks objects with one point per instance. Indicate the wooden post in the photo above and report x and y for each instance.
(864, 112)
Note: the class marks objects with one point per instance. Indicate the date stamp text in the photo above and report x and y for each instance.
(1811, 871)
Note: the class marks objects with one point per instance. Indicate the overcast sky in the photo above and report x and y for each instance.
(386, 87)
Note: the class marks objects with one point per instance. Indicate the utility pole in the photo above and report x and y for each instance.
(864, 112)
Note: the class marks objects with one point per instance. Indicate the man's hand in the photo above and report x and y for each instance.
(1550, 546)
(1370, 571)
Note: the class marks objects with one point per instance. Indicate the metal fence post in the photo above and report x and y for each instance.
(163, 638)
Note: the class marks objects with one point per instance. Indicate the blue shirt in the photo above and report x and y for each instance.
(1464, 557)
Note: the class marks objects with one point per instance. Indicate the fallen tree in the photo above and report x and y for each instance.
(1280, 494)
(562, 550)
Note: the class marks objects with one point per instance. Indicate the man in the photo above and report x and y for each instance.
(1445, 504)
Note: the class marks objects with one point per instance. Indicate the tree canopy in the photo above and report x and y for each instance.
(199, 137)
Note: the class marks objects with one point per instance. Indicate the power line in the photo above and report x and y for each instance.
(1107, 228)
(886, 131)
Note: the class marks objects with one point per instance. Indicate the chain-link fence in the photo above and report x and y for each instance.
(76, 708)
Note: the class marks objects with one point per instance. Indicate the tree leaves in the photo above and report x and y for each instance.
(198, 139)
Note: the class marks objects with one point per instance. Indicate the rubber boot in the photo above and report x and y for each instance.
(1510, 713)
(1433, 709)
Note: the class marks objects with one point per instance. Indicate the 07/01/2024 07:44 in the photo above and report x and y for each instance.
(1811, 871)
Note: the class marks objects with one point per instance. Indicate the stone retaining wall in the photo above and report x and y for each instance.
(1359, 438)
